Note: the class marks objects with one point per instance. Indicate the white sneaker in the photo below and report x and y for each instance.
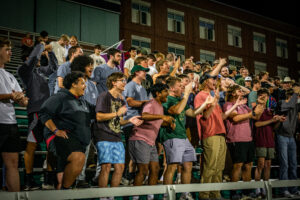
(135, 197)
(178, 180)
(297, 193)
(124, 181)
(150, 197)
(287, 194)
(186, 196)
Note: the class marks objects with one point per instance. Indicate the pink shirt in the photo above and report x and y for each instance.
(214, 124)
(148, 131)
(241, 131)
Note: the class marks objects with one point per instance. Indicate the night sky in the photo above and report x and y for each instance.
(288, 12)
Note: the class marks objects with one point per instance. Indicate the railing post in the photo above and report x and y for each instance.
(268, 186)
(171, 192)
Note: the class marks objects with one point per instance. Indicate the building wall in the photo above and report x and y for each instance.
(223, 16)
(89, 24)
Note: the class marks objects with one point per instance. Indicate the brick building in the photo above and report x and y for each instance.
(208, 30)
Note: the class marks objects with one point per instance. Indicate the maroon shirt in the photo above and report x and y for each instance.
(264, 136)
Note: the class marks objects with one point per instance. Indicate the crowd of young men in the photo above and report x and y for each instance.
(155, 103)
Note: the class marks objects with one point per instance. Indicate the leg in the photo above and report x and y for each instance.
(169, 174)
(236, 171)
(142, 173)
(59, 177)
(292, 158)
(117, 175)
(260, 166)
(187, 172)
(29, 156)
(267, 170)
(12, 173)
(154, 170)
(246, 174)
(73, 168)
(283, 158)
(104, 174)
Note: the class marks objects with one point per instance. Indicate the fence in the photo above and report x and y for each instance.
(144, 190)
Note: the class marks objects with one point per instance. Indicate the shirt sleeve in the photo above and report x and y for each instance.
(129, 91)
(50, 108)
(102, 104)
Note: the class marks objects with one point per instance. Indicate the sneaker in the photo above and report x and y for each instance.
(178, 180)
(186, 196)
(135, 197)
(47, 187)
(49, 180)
(287, 194)
(82, 184)
(297, 193)
(150, 197)
(124, 181)
(30, 184)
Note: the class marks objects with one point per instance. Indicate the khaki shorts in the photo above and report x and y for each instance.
(267, 153)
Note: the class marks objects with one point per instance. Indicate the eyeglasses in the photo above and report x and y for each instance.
(122, 80)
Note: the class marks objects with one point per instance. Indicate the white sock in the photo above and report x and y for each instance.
(150, 196)
(135, 197)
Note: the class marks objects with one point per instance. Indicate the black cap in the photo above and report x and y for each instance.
(206, 76)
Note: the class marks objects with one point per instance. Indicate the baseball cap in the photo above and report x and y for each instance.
(139, 68)
(248, 78)
(206, 76)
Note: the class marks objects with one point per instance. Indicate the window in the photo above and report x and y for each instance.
(176, 21)
(298, 52)
(234, 36)
(206, 28)
(140, 13)
(141, 42)
(179, 50)
(235, 61)
(282, 71)
(259, 42)
(207, 56)
(259, 67)
(281, 48)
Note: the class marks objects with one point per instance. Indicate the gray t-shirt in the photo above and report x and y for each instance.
(62, 71)
(90, 92)
(100, 75)
(252, 98)
(137, 92)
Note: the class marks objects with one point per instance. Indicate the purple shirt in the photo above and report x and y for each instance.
(264, 135)
(241, 131)
(148, 131)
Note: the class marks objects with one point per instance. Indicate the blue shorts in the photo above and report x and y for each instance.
(110, 152)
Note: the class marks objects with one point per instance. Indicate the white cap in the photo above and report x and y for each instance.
(248, 78)
(287, 79)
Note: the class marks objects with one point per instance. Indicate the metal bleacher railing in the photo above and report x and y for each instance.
(171, 190)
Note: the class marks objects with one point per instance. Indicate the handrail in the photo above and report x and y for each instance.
(145, 190)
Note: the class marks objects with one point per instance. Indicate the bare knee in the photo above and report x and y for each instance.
(105, 168)
(119, 168)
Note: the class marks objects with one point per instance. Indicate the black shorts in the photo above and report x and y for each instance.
(35, 128)
(10, 138)
(64, 148)
(242, 152)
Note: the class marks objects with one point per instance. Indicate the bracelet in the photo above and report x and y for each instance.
(54, 132)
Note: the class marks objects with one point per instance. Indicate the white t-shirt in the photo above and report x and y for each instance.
(59, 52)
(152, 70)
(98, 60)
(129, 65)
(8, 83)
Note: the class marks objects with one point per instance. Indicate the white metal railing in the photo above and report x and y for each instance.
(171, 190)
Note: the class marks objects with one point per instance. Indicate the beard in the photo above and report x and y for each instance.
(116, 62)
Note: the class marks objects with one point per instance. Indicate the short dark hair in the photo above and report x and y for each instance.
(151, 56)
(72, 78)
(263, 91)
(112, 52)
(4, 41)
(139, 59)
(289, 93)
(80, 62)
(113, 78)
(161, 79)
(158, 87)
(172, 81)
(182, 76)
(131, 48)
(255, 81)
(72, 50)
(44, 34)
(98, 46)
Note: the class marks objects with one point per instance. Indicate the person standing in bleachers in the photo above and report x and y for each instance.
(98, 59)
(10, 143)
(65, 69)
(34, 77)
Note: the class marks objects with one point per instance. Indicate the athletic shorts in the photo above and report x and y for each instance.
(110, 152)
(10, 138)
(179, 151)
(242, 152)
(141, 152)
(35, 128)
